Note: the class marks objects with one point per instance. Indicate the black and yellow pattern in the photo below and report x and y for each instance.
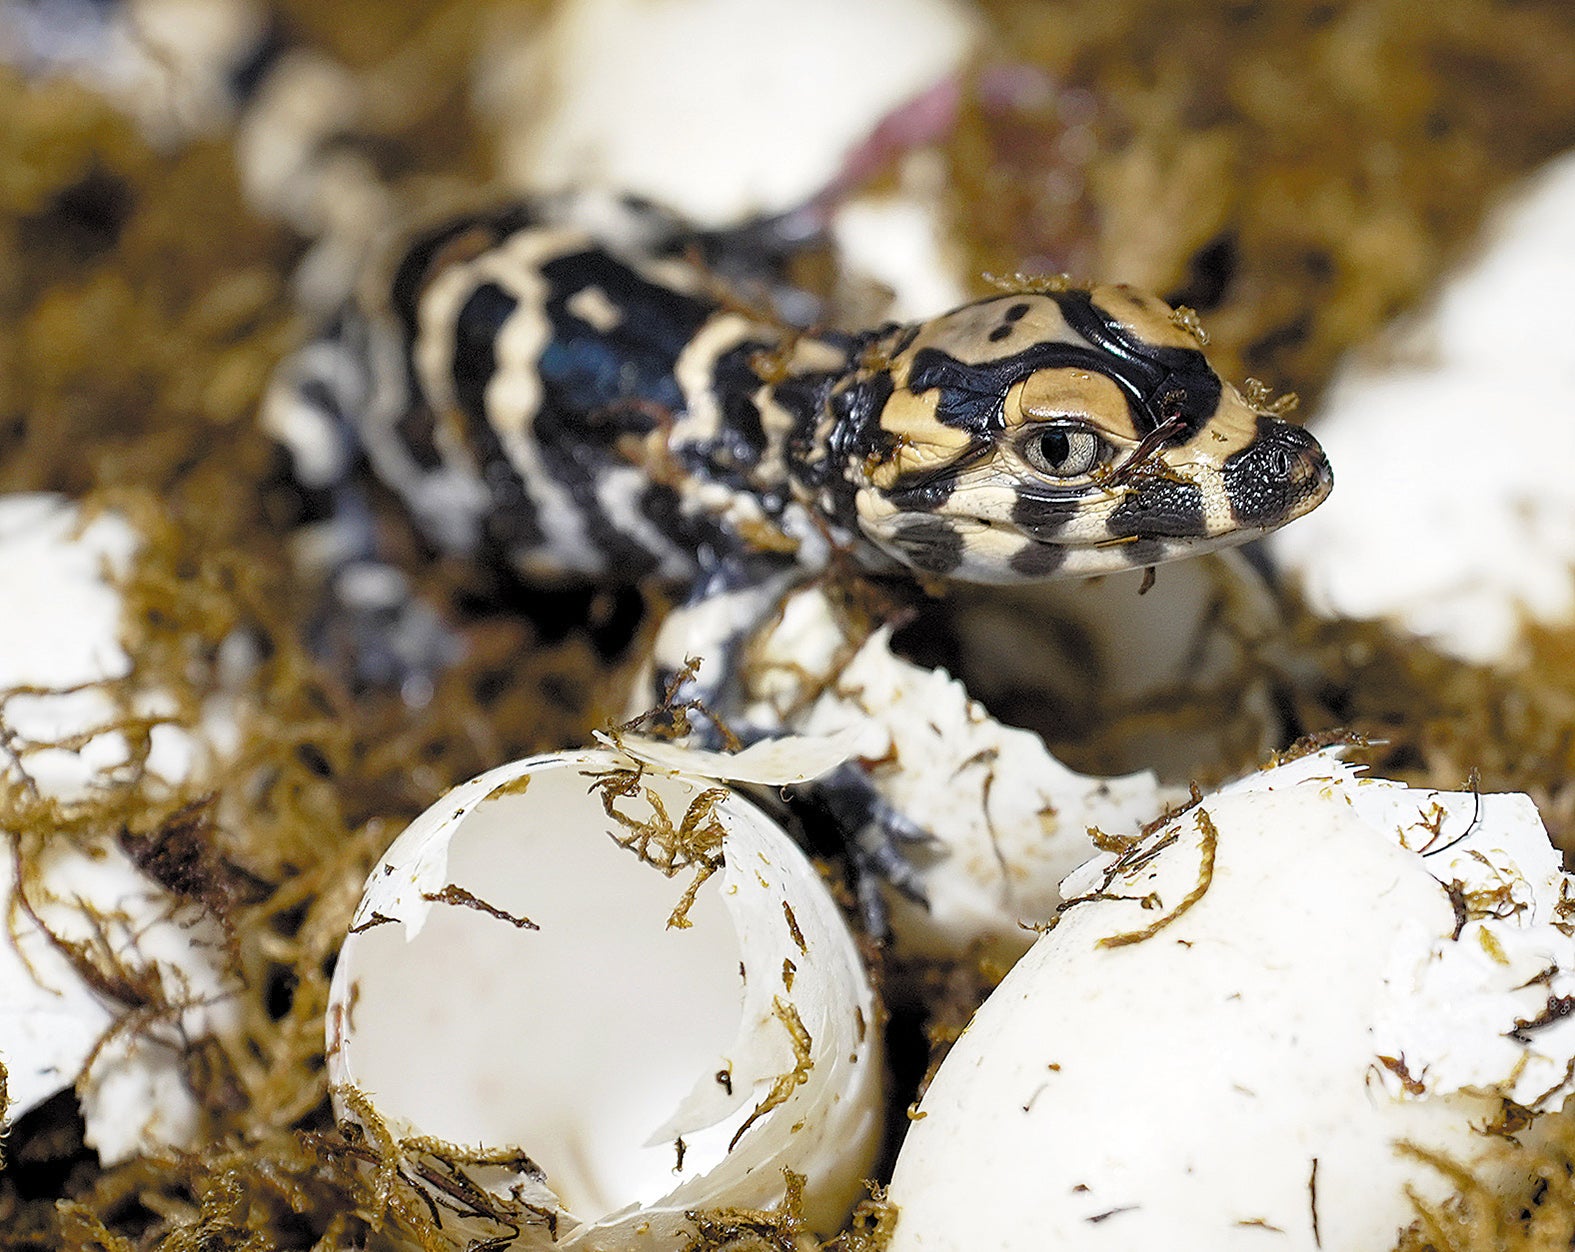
(1069, 432)
(564, 384)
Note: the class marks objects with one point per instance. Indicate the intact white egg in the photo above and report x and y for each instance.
(1241, 1019)
(1437, 524)
(621, 994)
(760, 102)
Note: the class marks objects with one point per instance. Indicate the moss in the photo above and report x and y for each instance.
(787, 1016)
(1435, 721)
(1298, 172)
(1295, 172)
(695, 842)
(1521, 1198)
(783, 1229)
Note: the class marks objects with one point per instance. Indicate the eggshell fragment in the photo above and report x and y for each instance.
(523, 974)
(58, 1027)
(779, 762)
(170, 64)
(899, 238)
(1173, 671)
(1008, 820)
(1239, 1020)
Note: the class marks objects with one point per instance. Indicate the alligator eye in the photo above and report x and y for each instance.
(1063, 451)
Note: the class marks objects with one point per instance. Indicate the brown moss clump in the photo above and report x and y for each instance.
(783, 1229)
(1296, 171)
(140, 308)
(1435, 721)
(1519, 1198)
(694, 842)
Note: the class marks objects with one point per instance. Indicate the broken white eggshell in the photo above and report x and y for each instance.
(59, 646)
(1009, 821)
(1174, 670)
(58, 1029)
(1238, 1023)
(899, 238)
(515, 979)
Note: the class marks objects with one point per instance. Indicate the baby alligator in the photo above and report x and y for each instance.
(571, 388)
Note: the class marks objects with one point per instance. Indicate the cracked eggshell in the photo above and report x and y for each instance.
(61, 650)
(1174, 669)
(513, 979)
(1009, 820)
(757, 102)
(56, 1030)
(65, 645)
(1237, 1022)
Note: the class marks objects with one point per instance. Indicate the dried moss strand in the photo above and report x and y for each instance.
(803, 1062)
(1208, 844)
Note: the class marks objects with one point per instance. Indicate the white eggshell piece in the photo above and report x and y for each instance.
(168, 63)
(63, 642)
(186, 53)
(1009, 820)
(1437, 523)
(134, 1096)
(1204, 1071)
(772, 762)
(1188, 643)
(1503, 311)
(67, 640)
(596, 1036)
(759, 101)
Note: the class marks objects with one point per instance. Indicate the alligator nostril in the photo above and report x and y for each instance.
(1280, 475)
